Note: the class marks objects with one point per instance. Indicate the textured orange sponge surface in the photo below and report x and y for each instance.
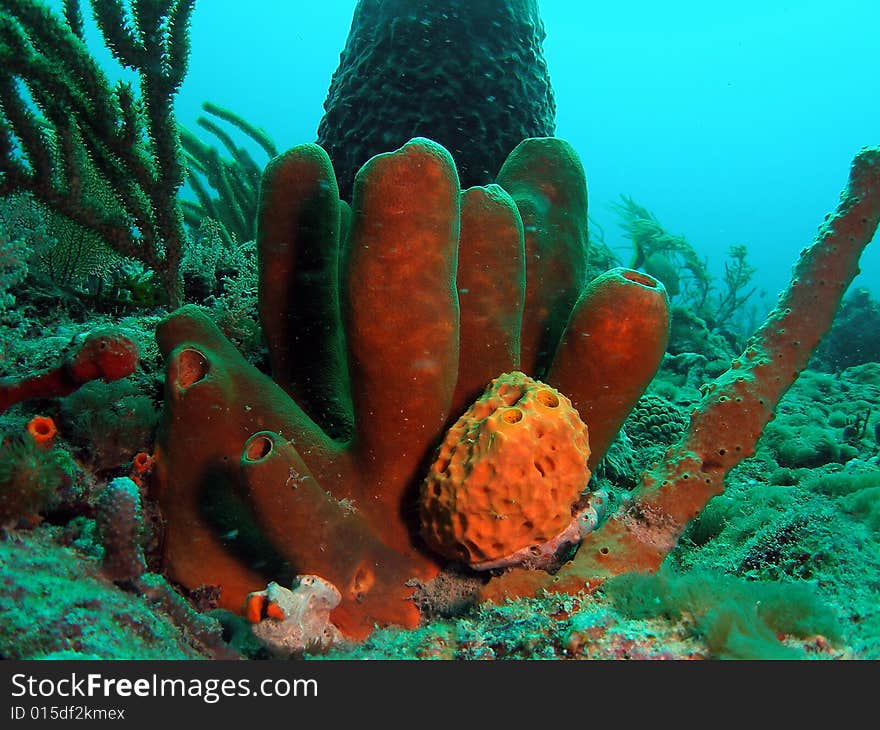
(507, 473)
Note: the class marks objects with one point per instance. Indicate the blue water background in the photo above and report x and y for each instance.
(733, 122)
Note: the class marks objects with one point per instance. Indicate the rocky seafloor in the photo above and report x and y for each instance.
(784, 564)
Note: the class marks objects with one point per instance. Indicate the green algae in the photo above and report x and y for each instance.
(738, 619)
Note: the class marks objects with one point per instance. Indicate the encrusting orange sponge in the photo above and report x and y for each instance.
(507, 475)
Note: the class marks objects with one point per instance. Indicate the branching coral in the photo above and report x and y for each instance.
(383, 322)
(673, 260)
(738, 273)
(235, 179)
(63, 125)
(667, 256)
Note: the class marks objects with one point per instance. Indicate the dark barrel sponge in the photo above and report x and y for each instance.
(469, 74)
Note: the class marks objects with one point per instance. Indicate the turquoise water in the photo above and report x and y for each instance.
(734, 124)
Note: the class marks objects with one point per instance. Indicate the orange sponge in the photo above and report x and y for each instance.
(507, 474)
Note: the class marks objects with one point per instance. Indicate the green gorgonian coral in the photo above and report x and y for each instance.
(104, 156)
